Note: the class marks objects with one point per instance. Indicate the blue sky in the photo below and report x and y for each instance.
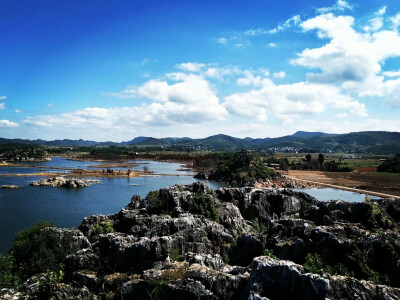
(113, 70)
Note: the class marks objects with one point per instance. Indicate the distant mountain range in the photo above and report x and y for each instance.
(367, 141)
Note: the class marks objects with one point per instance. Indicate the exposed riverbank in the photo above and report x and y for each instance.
(368, 182)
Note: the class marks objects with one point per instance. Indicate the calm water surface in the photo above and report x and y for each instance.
(326, 194)
(23, 207)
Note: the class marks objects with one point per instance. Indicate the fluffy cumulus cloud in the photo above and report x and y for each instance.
(395, 21)
(280, 74)
(292, 99)
(392, 73)
(191, 66)
(352, 59)
(7, 123)
(189, 99)
(249, 79)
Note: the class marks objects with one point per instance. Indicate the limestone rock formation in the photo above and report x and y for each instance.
(189, 242)
(66, 182)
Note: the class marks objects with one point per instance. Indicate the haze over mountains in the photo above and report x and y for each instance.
(367, 141)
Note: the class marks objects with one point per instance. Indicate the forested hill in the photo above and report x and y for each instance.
(367, 141)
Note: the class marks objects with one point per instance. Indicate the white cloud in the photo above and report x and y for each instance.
(17, 110)
(388, 90)
(293, 21)
(222, 41)
(350, 58)
(3, 97)
(340, 5)
(250, 80)
(191, 66)
(375, 24)
(395, 21)
(215, 72)
(280, 74)
(342, 115)
(292, 99)
(188, 100)
(7, 123)
(272, 45)
(2, 105)
(381, 12)
(50, 104)
(392, 73)
(256, 31)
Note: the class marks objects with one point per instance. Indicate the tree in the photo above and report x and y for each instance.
(38, 249)
(308, 157)
(7, 278)
(321, 159)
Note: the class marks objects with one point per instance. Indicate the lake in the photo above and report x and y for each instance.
(23, 207)
(326, 194)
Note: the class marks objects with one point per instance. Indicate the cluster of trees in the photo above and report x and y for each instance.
(319, 163)
(390, 165)
(241, 169)
(35, 250)
(21, 152)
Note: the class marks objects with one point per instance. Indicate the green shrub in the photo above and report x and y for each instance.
(157, 288)
(260, 227)
(36, 250)
(155, 202)
(103, 228)
(378, 217)
(7, 278)
(270, 253)
(204, 204)
(50, 280)
(334, 166)
(175, 254)
(361, 260)
(315, 264)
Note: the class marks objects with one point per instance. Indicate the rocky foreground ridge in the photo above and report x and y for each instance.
(190, 242)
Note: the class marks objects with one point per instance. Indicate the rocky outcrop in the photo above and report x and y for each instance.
(275, 279)
(65, 182)
(10, 186)
(189, 241)
(284, 182)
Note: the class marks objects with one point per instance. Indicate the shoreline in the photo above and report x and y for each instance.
(360, 183)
